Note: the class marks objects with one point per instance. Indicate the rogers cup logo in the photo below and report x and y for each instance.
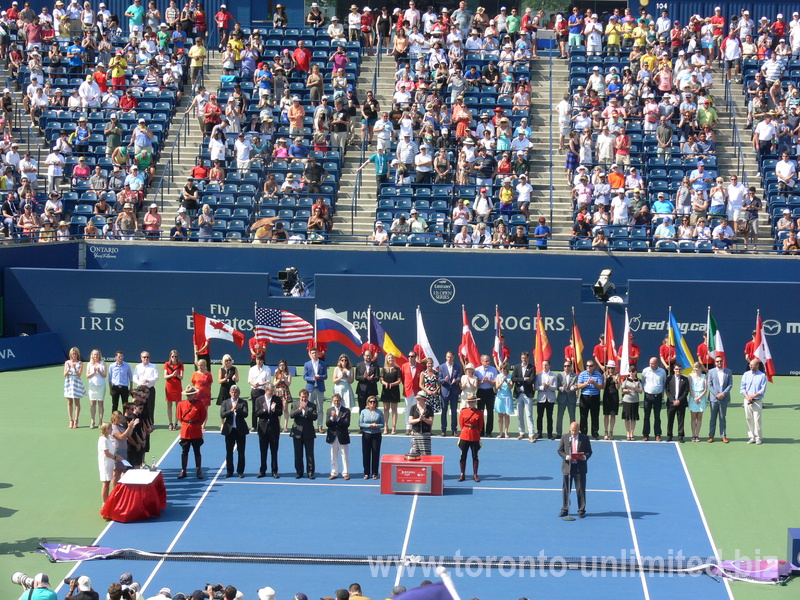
(443, 291)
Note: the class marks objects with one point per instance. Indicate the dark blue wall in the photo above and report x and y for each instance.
(133, 310)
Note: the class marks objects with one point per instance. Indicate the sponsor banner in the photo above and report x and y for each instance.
(26, 351)
(133, 311)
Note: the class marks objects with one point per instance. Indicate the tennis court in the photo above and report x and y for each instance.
(640, 505)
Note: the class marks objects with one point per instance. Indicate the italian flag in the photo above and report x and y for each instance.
(714, 339)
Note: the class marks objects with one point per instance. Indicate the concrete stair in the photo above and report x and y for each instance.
(355, 217)
(542, 160)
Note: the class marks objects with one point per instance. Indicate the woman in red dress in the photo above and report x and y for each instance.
(173, 381)
(201, 381)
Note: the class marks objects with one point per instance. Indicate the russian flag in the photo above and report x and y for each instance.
(333, 328)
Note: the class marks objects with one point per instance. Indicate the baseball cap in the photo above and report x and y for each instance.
(266, 593)
(84, 583)
(42, 579)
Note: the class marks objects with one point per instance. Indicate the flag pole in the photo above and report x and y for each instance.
(448, 582)
(369, 324)
(315, 324)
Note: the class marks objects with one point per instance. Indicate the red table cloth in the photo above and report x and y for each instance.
(131, 502)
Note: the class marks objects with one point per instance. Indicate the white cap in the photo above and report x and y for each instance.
(266, 593)
(154, 205)
(84, 583)
(780, 16)
(182, 209)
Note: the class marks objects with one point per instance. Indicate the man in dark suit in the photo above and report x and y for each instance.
(720, 382)
(315, 372)
(234, 413)
(304, 413)
(268, 409)
(574, 469)
(677, 388)
(367, 376)
(450, 389)
(337, 419)
(523, 377)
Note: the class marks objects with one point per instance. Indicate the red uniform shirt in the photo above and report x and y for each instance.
(410, 377)
(101, 79)
(750, 350)
(702, 355)
(470, 421)
(191, 414)
(667, 353)
(718, 24)
(257, 347)
(599, 354)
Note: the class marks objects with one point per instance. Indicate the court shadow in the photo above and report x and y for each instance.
(637, 514)
(6, 512)
(4, 485)
(507, 478)
(20, 548)
(457, 491)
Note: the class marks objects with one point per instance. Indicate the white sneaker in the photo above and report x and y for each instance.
(758, 441)
(751, 441)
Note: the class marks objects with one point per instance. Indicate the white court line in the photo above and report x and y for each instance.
(183, 527)
(447, 487)
(108, 525)
(405, 541)
(630, 522)
(703, 517)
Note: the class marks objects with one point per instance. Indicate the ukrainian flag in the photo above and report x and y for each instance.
(682, 354)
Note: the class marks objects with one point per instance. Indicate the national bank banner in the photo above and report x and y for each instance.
(133, 311)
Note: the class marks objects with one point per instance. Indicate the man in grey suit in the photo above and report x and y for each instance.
(304, 413)
(234, 413)
(567, 397)
(720, 382)
(575, 449)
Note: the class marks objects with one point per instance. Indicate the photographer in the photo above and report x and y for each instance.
(37, 588)
(84, 587)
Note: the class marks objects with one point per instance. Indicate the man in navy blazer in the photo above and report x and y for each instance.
(677, 389)
(720, 382)
(304, 413)
(450, 389)
(268, 410)
(315, 372)
(234, 413)
(574, 469)
(523, 377)
(337, 421)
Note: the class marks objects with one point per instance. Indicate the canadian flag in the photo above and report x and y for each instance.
(762, 352)
(206, 329)
(468, 349)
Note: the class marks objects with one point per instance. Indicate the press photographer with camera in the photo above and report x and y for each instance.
(84, 586)
(36, 588)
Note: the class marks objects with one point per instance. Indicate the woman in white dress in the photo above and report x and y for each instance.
(106, 459)
(73, 386)
(343, 376)
(96, 374)
(469, 384)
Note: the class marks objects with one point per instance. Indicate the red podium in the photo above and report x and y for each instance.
(139, 495)
(400, 476)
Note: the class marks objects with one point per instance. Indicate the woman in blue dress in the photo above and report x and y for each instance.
(343, 376)
(503, 403)
(698, 400)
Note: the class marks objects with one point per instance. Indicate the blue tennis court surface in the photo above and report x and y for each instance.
(640, 503)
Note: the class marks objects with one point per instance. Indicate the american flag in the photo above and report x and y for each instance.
(281, 327)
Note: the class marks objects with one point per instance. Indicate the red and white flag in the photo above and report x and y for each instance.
(206, 329)
(468, 348)
(762, 352)
(624, 357)
(611, 345)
